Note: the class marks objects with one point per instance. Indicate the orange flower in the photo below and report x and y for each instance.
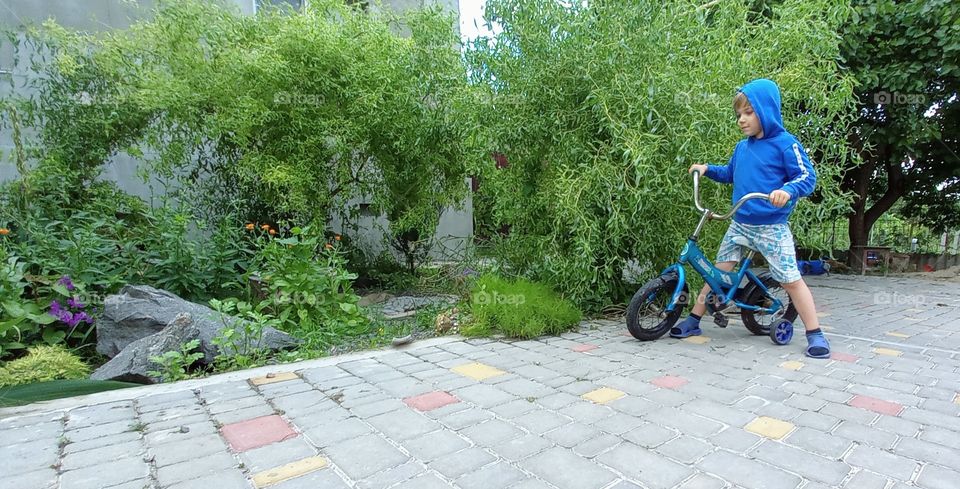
(249, 226)
(273, 232)
(265, 227)
(337, 237)
(4, 231)
(328, 246)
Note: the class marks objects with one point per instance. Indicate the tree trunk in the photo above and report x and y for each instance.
(861, 218)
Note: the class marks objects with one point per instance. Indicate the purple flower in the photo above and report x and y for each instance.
(75, 319)
(55, 309)
(66, 282)
(75, 304)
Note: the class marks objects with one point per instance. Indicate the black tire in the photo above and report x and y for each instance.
(759, 323)
(646, 319)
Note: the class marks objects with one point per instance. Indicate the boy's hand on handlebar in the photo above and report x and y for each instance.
(779, 198)
(701, 168)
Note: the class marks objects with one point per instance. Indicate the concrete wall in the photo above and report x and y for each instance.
(456, 226)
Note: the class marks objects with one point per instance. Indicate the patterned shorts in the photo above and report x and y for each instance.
(773, 241)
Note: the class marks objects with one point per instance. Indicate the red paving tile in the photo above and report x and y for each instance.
(256, 432)
(876, 405)
(584, 347)
(669, 381)
(844, 357)
(430, 401)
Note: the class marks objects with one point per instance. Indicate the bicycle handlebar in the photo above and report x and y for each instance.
(719, 217)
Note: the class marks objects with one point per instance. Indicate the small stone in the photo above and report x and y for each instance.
(184, 429)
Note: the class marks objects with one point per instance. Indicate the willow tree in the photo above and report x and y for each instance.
(600, 107)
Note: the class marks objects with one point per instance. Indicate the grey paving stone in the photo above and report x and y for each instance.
(825, 444)
(174, 413)
(866, 480)
(462, 462)
(933, 477)
(587, 412)
(644, 466)
(465, 418)
(541, 421)
(277, 454)
(618, 423)
(243, 414)
(498, 475)
(178, 433)
(928, 452)
(99, 430)
(335, 431)
(100, 414)
(106, 474)
(514, 409)
(817, 421)
(634, 406)
(37, 479)
(521, 447)
(808, 465)
(79, 460)
(172, 453)
(491, 433)
(425, 481)
(435, 445)
(377, 408)
(392, 476)
(227, 479)
(685, 449)
(484, 395)
(941, 436)
(28, 457)
(717, 411)
(900, 426)
(558, 401)
(195, 468)
(685, 423)
(882, 462)
(703, 481)
(566, 470)
(595, 446)
(650, 435)
(572, 434)
(365, 455)
(746, 472)
(324, 478)
(404, 424)
(865, 435)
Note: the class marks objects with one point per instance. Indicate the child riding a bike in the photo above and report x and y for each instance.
(772, 161)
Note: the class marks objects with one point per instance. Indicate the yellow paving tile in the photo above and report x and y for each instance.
(286, 472)
(888, 352)
(897, 335)
(273, 377)
(697, 340)
(956, 398)
(769, 427)
(792, 365)
(603, 395)
(478, 371)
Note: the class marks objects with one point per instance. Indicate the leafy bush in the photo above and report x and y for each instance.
(307, 288)
(175, 365)
(239, 344)
(43, 363)
(518, 308)
(600, 107)
(20, 318)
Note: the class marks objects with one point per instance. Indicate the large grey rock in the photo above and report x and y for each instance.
(133, 362)
(140, 311)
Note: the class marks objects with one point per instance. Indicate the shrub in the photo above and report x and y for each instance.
(518, 308)
(43, 363)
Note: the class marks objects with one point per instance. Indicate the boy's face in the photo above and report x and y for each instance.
(749, 122)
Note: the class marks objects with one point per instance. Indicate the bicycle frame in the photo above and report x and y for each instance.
(724, 285)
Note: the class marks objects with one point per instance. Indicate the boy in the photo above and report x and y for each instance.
(768, 160)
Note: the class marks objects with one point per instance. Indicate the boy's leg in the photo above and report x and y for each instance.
(775, 242)
(700, 307)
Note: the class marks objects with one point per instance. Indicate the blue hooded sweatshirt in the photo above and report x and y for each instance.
(776, 161)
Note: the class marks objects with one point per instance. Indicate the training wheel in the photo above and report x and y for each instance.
(782, 332)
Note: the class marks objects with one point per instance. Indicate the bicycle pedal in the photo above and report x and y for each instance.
(720, 320)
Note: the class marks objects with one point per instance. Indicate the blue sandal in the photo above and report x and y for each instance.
(689, 327)
(817, 346)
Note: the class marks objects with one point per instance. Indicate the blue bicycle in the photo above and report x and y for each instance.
(765, 307)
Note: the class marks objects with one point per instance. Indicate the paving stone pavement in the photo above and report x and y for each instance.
(588, 410)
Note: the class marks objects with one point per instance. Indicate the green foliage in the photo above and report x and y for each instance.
(43, 363)
(175, 365)
(518, 308)
(239, 343)
(20, 317)
(289, 113)
(905, 57)
(21, 395)
(600, 107)
(308, 289)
